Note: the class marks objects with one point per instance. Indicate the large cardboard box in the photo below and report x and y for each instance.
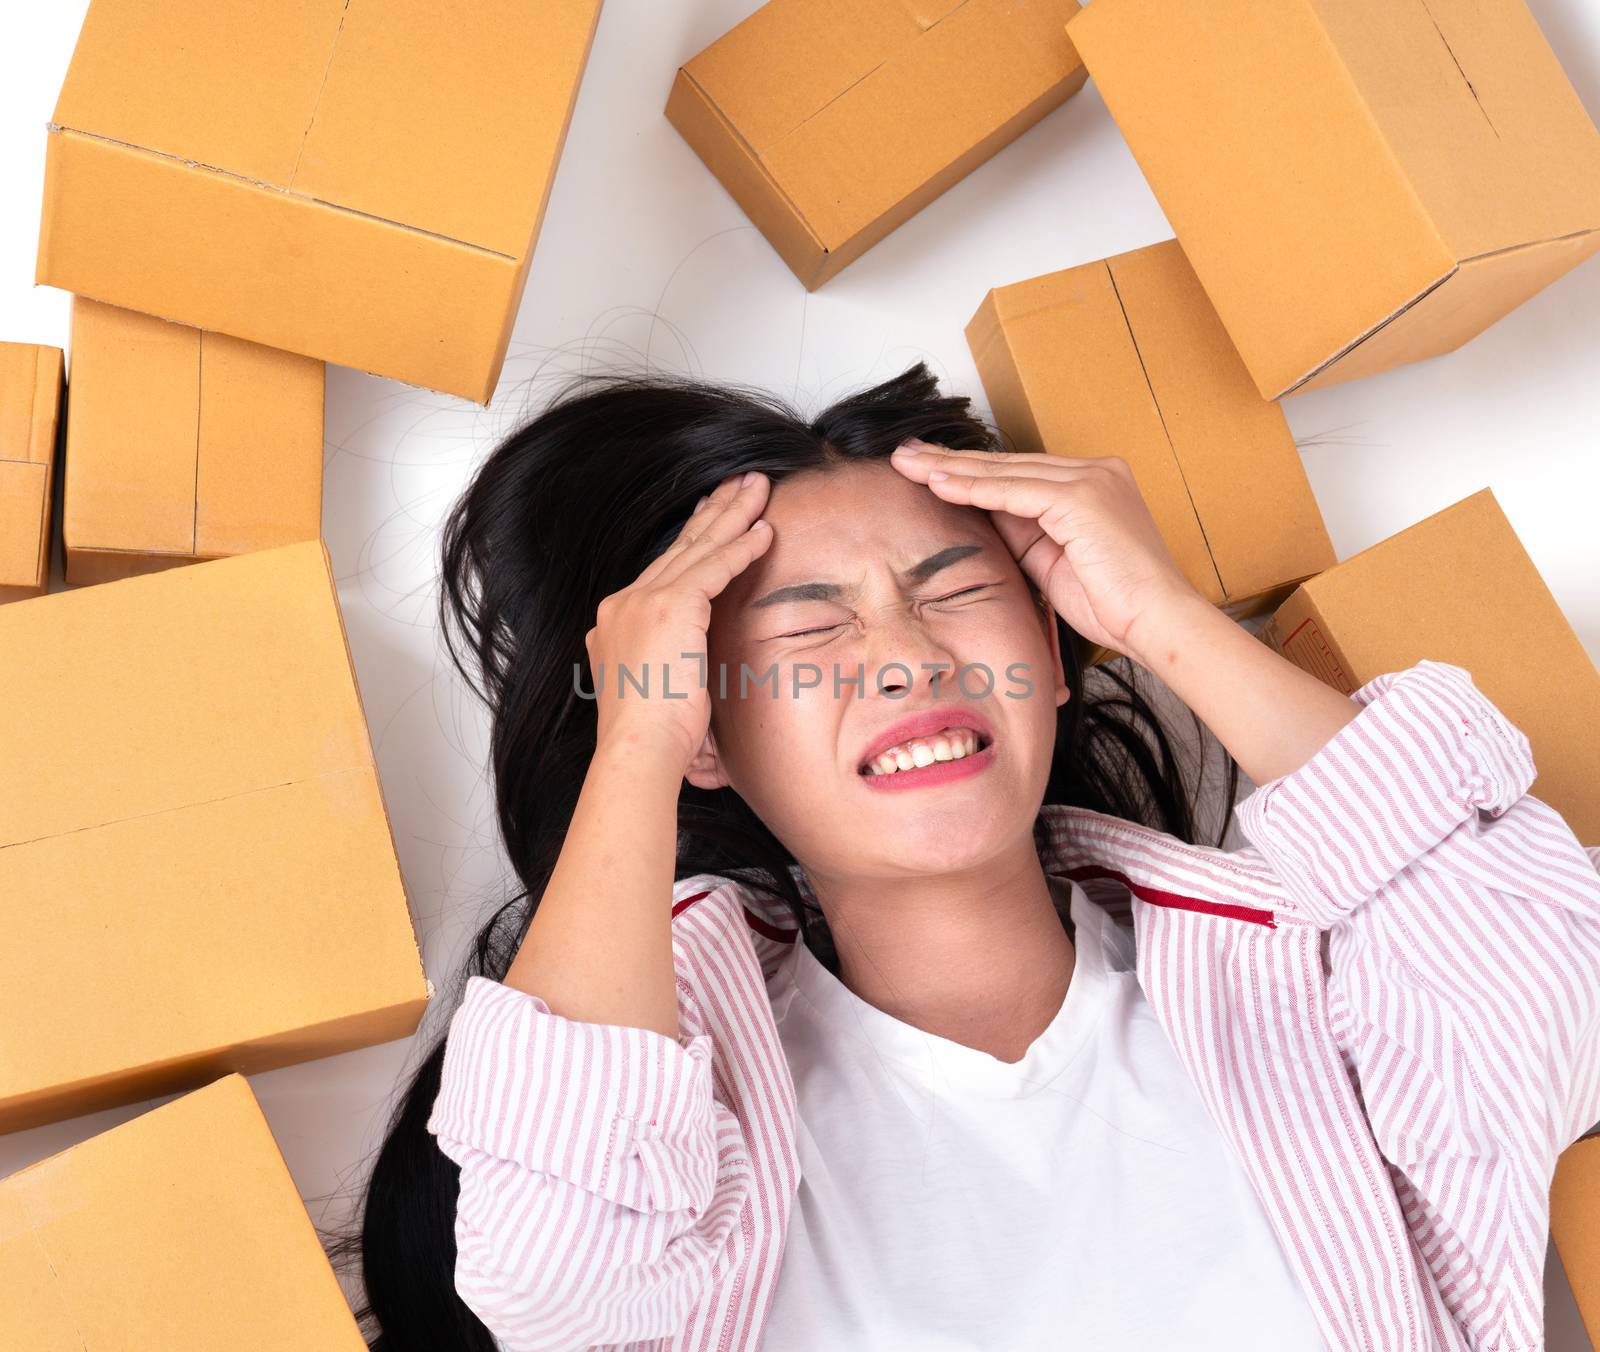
(184, 445)
(1359, 183)
(357, 181)
(1575, 1225)
(30, 413)
(831, 122)
(196, 869)
(178, 1231)
(1459, 587)
(1125, 356)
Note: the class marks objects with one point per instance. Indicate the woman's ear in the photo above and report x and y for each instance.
(705, 769)
(1053, 637)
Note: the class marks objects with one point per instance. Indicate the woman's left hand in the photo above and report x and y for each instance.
(1079, 528)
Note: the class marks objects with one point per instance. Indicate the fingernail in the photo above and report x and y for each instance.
(907, 450)
(750, 477)
(937, 474)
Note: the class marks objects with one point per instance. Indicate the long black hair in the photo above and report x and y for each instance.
(571, 507)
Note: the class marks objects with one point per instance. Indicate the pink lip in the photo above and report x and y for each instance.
(920, 725)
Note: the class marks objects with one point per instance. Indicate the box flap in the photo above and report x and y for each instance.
(30, 399)
(23, 508)
(899, 127)
(258, 483)
(1238, 459)
(275, 912)
(1479, 114)
(1426, 592)
(791, 58)
(1079, 371)
(227, 84)
(439, 116)
(168, 1231)
(433, 118)
(1303, 227)
(132, 437)
(174, 689)
(848, 106)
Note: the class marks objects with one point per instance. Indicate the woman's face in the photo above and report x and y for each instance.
(838, 596)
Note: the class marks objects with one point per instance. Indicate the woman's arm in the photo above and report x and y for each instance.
(1463, 921)
(604, 1168)
(1270, 715)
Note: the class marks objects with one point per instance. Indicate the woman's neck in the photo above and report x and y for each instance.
(980, 958)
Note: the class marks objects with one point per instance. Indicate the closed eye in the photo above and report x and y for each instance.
(965, 591)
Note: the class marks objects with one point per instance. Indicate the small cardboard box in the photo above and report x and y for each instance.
(196, 865)
(179, 1229)
(1361, 184)
(184, 445)
(1459, 587)
(1125, 356)
(30, 413)
(1575, 1225)
(356, 181)
(832, 123)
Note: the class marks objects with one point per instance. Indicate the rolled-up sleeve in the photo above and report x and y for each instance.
(600, 1175)
(1463, 925)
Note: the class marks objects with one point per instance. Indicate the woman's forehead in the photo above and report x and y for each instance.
(837, 503)
(840, 524)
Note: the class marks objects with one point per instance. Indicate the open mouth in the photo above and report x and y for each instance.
(948, 744)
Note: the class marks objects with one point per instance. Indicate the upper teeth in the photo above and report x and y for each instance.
(946, 744)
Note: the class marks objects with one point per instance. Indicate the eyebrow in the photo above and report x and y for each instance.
(832, 591)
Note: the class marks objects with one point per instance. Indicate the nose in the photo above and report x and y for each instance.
(904, 654)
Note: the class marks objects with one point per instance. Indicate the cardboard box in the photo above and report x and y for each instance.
(30, 413)
(196, 865)
(184, 445)
(355, 181)
(1359, 184)
(1575, 1225)
(178, 1230)
(1125, 356)
(1459, 587)
(831, 123)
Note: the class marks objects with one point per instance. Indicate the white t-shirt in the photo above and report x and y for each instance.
(1077, 1199)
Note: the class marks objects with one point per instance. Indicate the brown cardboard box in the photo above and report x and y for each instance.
(30, 412)
(197, 870)
(178, 1231)
(184, 445)
(1359, 184)
(1575, 1226)
(831, 122)
(1125, 356)
(358, 182)
(1459, 587)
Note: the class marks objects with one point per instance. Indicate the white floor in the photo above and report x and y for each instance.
(644, 256)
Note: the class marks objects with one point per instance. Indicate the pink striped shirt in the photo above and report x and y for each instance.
(1397, 1105)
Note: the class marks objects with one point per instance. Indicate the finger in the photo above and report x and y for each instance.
(711, 572)
(705, 511)
(715, 526)
(1029, 496)
(923, 455)
(1030, 545)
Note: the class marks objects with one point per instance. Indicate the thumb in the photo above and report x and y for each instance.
(1035, 552)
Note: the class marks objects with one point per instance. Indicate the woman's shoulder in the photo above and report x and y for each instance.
(723, 916)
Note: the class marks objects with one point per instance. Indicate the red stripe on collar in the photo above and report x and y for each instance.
(1173, 900)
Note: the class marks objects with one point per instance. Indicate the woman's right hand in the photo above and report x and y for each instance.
(666, 612)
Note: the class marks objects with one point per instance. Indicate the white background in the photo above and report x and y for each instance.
(644, 258)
